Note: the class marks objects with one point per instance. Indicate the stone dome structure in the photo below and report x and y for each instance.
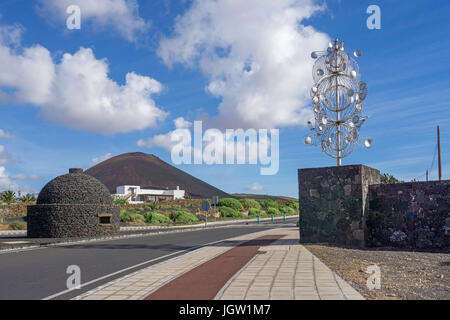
(73, 205)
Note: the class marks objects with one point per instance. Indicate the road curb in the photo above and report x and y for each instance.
(133, 235)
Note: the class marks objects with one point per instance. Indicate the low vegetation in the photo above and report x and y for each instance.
(183, 216)
(250, 203)
(189, 212)
(254, 212)
(268, 203)
(227, 212)
(271, 211)
(157, 218)
(18, 225)
(389, 179)
(231, 203)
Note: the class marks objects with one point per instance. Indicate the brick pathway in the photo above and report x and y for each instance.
(283, 270)
(287, 271)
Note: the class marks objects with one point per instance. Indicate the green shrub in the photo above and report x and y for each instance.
(250, 203)
(230, 203)
(124, 217)
(298, 223)
(183, 216)
(154, 206)
(18, 225)
(268, 203)
(254, 212)
(230, 212)
(294, 205)
(156, 218)
(288, 210)
(129, 216)
(120, 201)
(273, 211)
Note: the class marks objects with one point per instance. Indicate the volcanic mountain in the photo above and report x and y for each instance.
(150, 172)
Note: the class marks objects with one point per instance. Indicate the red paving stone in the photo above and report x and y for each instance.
(206, 280)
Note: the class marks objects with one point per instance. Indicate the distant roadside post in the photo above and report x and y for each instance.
(215, 202)
(206, 206)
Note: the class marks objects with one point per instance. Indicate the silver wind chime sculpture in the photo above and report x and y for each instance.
(337, 96)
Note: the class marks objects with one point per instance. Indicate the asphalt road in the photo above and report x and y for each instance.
(41, 273)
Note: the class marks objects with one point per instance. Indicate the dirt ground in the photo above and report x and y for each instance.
(405, 275)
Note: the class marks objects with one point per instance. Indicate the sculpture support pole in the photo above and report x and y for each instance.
(338, 116)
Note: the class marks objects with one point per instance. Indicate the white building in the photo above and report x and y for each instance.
(134, 194)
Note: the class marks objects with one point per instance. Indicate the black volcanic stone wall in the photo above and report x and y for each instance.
(65, 221)
(74, 188)
(73, 205)
(414, 214)
(333, 203)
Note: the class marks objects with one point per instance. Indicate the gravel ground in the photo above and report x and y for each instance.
(405, 275)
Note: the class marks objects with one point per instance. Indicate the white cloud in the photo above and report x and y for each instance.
(102, 158)
(120, 15)
(5, 181)
(29, 73)
(5, 135)
(165, 140)
(77, 92)
(256, 55)
(4, 156)
(255, 187)
(32, 177)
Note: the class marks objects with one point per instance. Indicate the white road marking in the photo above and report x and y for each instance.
(129, 268)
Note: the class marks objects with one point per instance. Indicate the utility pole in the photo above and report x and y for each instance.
(427, 175)
(439, 153)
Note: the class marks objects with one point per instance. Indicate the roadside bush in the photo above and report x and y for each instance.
(273, 211)
(230, 203)
(294, 205)
(288, 210)
(128, 216)
(123, 215)
(268, 203)
(230, 212)
(120, 201)
(250, 203)
(18, 225)
(254, 212)
(183, 216)
(156, 218)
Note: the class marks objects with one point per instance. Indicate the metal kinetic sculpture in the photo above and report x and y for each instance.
(337, 97)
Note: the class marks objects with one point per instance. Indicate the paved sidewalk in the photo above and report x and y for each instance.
(283, 270)
(287, 271)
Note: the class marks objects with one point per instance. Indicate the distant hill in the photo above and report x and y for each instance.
(262, 196)
(148, 171)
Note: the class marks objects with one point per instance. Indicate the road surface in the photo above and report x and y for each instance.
(41, 273)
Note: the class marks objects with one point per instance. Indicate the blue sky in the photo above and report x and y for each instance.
(179, 57)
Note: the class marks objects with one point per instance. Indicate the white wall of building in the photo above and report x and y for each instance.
(135, 194)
